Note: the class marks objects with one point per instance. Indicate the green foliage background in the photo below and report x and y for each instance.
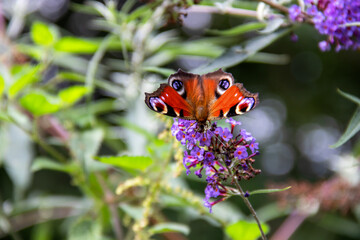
(83, 158)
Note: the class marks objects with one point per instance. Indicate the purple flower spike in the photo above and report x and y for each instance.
(198, 153)
(335, 19)
(205, 140)
(240, 152)
(226, 135)
(218, 153)
(253, 145)
(218, 131)
(233, 122)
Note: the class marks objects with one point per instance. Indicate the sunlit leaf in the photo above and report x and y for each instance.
(28, 77)
(2, 85)
(240, 29)
(243, 230)
(76, 45)
(239, 53)
(352, 128)
(42, 34)
(268, 190)
(130, 162)
(40, 103)
(170, 227)
(72, 94)
(88, 229)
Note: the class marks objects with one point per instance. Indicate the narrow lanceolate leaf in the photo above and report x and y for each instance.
(166, 72)
(239, 53)
(269, 190)
(130, 162)
(243, 28)
(40, 103)
(350, 97)
(71, 95)
(169, 227)
(42, 34)
(272, 25)
(352, 128)
(41, 163)
(243, 230)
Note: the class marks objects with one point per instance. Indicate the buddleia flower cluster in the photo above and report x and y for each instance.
(338, 19)
(222, 154)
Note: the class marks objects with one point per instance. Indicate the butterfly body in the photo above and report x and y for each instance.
(202, 98)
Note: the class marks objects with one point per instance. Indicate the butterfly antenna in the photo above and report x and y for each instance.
(191, 124)
(218, 138)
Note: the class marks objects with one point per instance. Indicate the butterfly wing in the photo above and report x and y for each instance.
(236, 100)
(172, 99)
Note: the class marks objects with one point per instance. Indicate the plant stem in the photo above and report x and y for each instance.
(246, 200)
(252, 210)
(276, 6)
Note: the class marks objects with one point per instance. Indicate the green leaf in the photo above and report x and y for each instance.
(166, 72)
(72, 94)
(88, 229)
(169, 227)
(243, 28)
(239, 53)
(40, 103)
(41, 163)
(349, 96)
(130, 162)
(29, 76)
(272, 25)
(76, 45)
(42, 34)
(243, 230)
(2, 85)
(268, 190)
(352, 128)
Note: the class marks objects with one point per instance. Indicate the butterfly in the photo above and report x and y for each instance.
(203, 98)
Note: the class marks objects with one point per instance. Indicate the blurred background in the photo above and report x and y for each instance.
(52, 188)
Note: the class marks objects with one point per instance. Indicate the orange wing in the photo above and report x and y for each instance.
(234, 101)
(167, 101)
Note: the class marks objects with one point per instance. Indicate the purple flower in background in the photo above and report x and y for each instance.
(338, 19)
(295, 13)
(220, 152)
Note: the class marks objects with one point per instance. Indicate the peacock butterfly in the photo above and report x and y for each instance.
(202, 98)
